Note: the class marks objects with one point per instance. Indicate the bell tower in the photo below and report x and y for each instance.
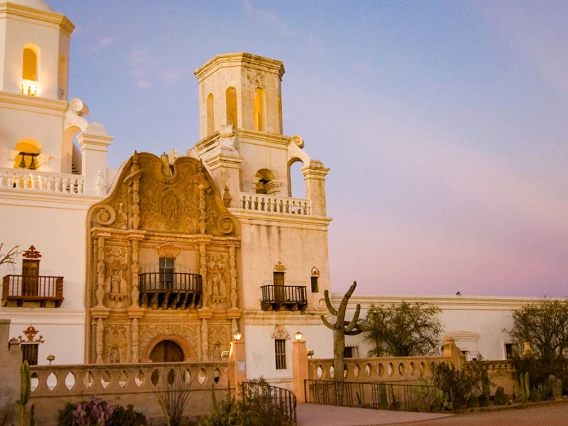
(34, 57)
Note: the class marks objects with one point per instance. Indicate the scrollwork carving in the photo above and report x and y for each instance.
(225, 224)
(105, 215)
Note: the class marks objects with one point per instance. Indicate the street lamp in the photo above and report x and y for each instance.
(298, 336)
(237, 336)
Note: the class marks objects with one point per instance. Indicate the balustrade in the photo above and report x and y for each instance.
(41, 181)
(376, 369)
(273, 204)
(43, 289)
(113, 379)
(290, 297)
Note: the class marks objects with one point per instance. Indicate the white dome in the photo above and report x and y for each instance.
(34, 4)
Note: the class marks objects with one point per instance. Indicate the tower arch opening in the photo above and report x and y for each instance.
(27, 156)
(210, 114)
(296, 182)
(259, 109)
(231, 100)
(30, 62)
(264, 181)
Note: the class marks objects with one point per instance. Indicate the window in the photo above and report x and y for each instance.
(232, 106)
(29, 65)
(280, 353)
(509, 350)
(350, 352)
(167, 266)
(29, 353)
(315, 287)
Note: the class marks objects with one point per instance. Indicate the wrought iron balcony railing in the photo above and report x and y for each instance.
(284, 297)
(170, 290)
(18, 289)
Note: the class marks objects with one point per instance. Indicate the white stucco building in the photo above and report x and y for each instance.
(167, 258)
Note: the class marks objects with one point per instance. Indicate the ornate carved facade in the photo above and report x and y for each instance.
(162, 264)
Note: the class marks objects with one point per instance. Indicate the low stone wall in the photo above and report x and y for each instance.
(501, 374)
(126, 384)
(387, 369)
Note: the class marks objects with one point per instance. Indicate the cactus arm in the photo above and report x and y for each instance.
(353, 322)
(327, 323)
(343, 305)
(330, 307)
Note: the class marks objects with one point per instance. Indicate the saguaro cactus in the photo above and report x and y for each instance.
(340, 329)
(25, 383)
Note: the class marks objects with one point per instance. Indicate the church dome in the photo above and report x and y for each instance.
(34, 4)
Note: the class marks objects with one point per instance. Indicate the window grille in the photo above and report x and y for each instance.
(280, 353)
(29, 353)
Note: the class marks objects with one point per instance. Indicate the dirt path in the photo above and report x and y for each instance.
(544, 415)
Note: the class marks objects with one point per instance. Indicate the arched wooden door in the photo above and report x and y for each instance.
(167, 351)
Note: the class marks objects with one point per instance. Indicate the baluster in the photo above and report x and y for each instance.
(81, 186)
(3, 180)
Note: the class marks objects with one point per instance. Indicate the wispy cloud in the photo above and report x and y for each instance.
(101, 43)
(172, 75)
(140, 62)
(265, 16)
(94, 37)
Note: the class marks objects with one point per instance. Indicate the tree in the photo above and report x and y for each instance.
(545, 326)
(403, 330)
(9, 258)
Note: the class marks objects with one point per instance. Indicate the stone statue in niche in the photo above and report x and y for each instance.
(115, 341)
(216, 271)
(114, 355)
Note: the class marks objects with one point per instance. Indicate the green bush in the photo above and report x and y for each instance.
(464, 383)
(65, 417)
(127, 416)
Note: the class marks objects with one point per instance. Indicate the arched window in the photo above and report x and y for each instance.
(29, 63)
(263, 185)
(232, 106)
(28, 151)
(259, 109)
(296, 183)
(210, 114)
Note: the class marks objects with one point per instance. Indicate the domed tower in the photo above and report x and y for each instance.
(37, 123)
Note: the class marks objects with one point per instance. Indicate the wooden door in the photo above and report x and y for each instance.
(30, 277)
(167, 351)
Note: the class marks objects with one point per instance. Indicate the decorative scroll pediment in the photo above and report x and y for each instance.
(184, 199)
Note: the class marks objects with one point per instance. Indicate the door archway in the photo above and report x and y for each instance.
(167, 351)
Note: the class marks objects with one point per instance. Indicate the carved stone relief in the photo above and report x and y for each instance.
(116, 279)
(218, 340)
(115, 344)
(217, 279)
(280, 332)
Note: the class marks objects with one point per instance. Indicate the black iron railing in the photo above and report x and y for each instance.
(22, 288)
(264, 398)
(380, 396)
(277, 297)
(166, 290)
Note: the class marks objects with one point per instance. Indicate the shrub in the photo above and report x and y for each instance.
(127, 416)
(463, 383)
(543, 390)
(96, 412)
(65, 417)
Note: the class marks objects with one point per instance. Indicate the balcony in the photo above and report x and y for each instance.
(284, 297)
(33, 180)
(275, 204)
(170, 290)
(18, 290)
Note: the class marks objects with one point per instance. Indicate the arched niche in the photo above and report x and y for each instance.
(264, 182)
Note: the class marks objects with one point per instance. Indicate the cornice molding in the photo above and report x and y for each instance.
(7, 99)
(40, 199)
(243, 59)
(447, 303)
(61, 21)
(253, 217)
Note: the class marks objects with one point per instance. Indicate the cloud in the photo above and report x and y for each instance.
(140, 62)
(172, 75)
(265, 16)
(143, 84)
(100, 44)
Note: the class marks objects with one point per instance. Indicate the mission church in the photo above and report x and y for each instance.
(169, 258)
